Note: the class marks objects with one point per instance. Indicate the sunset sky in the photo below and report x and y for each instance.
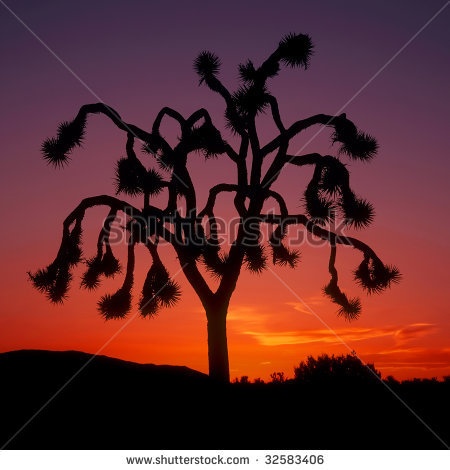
(385, 64)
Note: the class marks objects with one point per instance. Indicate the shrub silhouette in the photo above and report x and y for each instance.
(193, 233)
(277, 378)
(342, 368)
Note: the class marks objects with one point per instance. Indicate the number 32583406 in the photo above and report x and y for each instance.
(293, 459)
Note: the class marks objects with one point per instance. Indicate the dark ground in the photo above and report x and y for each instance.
(113, 404)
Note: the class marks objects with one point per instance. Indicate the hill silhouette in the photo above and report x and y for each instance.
(107, 403)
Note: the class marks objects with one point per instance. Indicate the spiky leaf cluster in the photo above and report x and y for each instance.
(251, 100)
(70, 252)
(283, 256)
(215, 262)
(166, 159)
(130, 174)
(104, 265)
(350, 308)
(56, 150)
(54, 281)
(295, 50)
(207, 65)
(158, 291)
(153, 143)
(354, 143)
(374, 276)
(362, 146)
(132, 178)
(255, 258)
(319, 207)
(329, 190)
(115, 306)
(358, 212)
(334, 176)
(247, 72)
(205, 138)
(233, 121)
(249, 75)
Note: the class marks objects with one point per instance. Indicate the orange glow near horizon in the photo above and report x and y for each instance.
(271, 328)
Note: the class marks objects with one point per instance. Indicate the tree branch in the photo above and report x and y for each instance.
(296, 128)
(234, 263)
(277, 165)
(255, 174)
(166, 111)
(153, 140)
(276, 113)
(216, 85)
(116, 205)
(232, 153)
(281, 202)
(102, 200)
(239, 200)
(213, 193)
(194, 277)
(197, 115)
(103, 237)
(320, 232)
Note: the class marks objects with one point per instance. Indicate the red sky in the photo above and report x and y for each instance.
(372, 60)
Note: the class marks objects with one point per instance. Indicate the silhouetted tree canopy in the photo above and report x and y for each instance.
(191, 230)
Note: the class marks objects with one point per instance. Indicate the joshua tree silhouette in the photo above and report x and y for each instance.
(194, 235)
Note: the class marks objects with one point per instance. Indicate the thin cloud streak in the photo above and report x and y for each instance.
(312, 301)
(414, 357)
(415, 330)
(278, 338)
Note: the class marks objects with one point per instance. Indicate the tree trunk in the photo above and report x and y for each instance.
(219, 369)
